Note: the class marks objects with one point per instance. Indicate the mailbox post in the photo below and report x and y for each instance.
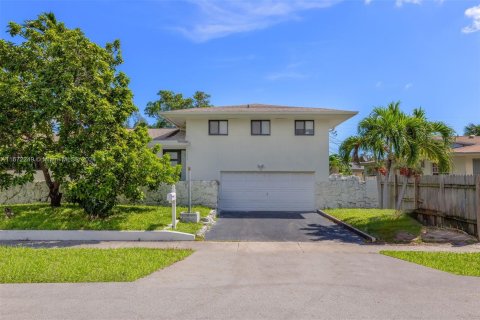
(172, 198)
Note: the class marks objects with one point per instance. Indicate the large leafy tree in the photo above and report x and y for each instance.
(472, 129)
(396, 139)
(64, 104)
(169, 100)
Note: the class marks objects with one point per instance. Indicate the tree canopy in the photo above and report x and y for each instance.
(472, 129)
(393, 136)
(63, 104)
(396, 139)
(169, 100)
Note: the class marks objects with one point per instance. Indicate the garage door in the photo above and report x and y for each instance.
(266, 191)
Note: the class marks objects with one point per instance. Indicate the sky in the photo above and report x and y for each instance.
(352, 55)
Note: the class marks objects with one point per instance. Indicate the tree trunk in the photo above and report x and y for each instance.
(386, 187)
(54, 187)
(402, 193)
(379, 189)
(55, 195)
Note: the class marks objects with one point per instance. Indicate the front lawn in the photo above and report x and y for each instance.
(41, 216)
(27, 265)
(384, 224)
(466, 264)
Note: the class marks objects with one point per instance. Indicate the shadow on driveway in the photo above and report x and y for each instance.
(278, 226)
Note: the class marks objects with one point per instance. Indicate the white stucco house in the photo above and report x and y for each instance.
(264, 157)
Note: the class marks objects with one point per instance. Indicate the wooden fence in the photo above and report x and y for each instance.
(443, 200)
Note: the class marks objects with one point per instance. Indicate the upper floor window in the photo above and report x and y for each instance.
(260, 127)
(304, 128)
(175, 156)
(435, 170)
(218, 127)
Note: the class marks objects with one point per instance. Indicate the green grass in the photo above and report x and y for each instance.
(465, 264)
(27, 265)
(41, 216)
(384, 224)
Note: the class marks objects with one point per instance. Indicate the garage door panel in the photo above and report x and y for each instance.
(266, 191)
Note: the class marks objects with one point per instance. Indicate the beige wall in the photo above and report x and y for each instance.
(240, 151)
(461, 165)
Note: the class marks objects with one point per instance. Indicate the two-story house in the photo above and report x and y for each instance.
(265, 157)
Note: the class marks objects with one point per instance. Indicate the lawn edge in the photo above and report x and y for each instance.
(361, 233)
(94, 235)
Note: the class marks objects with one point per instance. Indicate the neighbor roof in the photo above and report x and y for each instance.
(466, 144)
(163, 133)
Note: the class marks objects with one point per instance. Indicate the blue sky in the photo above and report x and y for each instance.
(338, 54)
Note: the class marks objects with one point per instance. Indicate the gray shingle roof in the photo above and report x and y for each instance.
(254, 107)
(162, 134)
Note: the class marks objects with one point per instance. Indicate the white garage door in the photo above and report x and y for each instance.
(267, 191)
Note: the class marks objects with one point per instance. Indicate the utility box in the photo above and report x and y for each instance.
(190, 217)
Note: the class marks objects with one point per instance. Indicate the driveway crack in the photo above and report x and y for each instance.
(301, 249)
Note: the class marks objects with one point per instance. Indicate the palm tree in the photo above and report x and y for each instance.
(336, 165)
(394, 137)
(472, 129)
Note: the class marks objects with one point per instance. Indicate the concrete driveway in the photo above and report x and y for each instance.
(278, 226)
(249, 280)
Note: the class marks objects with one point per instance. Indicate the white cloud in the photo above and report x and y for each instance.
(285, 76)
(379, 84)
(408, 86)
(473, 13)
(219, 18)
(289, 72)
(400, 3)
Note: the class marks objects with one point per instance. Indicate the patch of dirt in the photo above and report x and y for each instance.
(443, 235)
(403, 236)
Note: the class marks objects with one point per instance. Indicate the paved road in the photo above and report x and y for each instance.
(248, 280)
(278, 226)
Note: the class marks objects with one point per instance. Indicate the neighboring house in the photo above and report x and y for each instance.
(357, 170)
(265, 157)
(465, 157)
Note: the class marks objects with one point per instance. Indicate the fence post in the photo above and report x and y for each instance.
(477, 203)
(417, 192)
(395, 191)
(442, 191)
(380, 191)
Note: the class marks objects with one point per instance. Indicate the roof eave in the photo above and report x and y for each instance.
(336, 117)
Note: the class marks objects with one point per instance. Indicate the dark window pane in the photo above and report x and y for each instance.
(223, 127)
(299, 125)
(309, 127)
(256, 127)
(266, 127)
(213, 127)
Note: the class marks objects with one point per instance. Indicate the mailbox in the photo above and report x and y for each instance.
(172, 196)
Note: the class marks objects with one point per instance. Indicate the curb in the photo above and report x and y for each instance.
(94, 235)
(362, 234)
